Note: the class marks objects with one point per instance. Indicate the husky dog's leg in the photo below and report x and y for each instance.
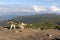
(11, 27)
(14, 27)
(22, 27)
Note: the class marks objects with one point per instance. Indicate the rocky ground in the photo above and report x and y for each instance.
(29, 34)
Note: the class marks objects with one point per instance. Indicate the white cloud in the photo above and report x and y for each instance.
(30, 9)
(54, 9)
(0, 8)
(3, 9)
(15, 10)
(38, 9)
(1, 3)
(22, 10)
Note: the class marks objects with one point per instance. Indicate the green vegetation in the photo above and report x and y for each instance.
(43, 21)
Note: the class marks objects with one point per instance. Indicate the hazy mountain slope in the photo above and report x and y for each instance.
(9, 15)
(37, 18)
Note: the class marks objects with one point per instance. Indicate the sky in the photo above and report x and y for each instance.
(44, 3)
(29, 5)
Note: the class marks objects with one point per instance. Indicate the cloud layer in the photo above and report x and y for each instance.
(50, 9)
(4, 8)
(54, 9)
(38, 9)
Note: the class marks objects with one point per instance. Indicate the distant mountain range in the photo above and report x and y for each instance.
(9, 15)
(38, 19)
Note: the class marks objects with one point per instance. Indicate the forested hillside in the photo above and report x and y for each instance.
(41, 20)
